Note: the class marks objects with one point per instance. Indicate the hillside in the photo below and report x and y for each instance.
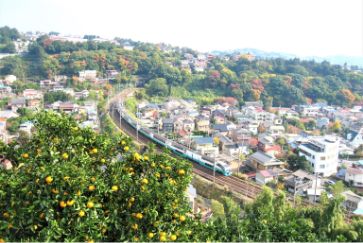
(276, 81)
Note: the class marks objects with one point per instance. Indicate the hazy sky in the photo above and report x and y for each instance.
(303, 27)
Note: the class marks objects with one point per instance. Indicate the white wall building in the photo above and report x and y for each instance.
(322, 153)
(88, 74)
(354, 176)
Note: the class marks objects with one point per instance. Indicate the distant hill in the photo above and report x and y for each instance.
(350, 60)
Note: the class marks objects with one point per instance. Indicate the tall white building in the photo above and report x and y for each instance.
(322, 153)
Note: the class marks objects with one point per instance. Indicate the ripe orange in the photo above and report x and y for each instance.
(123, 142)
(132, 199)
(144, 181)
(181, 172)
(135, 226)
(62, 204)
(162, 238)
(94, 151)
(6, 215)
(150, 235)
(93, 179)
(55, 191)
(90, 204)
(81, 213)
(65, 156)
(91, 188)
(182, 218)
(126, 148)
(173, 237)
(25, 155)
(139, 216)
(103, 161)
(146, 157)
(114, 188)
(70, 202)
(48, 180)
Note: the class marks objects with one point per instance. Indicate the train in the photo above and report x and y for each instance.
(179, 149)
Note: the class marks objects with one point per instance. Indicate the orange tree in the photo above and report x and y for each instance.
(71, 184)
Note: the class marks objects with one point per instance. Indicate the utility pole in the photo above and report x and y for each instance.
(137, 123)
(316, 185)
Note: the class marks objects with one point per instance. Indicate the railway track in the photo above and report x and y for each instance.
(233, 183)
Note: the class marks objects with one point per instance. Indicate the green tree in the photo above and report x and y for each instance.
(157, 87)
(70, 184)
(51, 97)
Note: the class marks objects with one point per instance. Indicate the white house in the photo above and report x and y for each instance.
(88, 74)
(322, 153)
(352, 201)
(265, 176)
(354, 176)
(355, 136)
(9, 79)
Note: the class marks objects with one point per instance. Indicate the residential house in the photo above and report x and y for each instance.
(219, 117)
(168, 125)
(30, 94)
(299, 181)
(81, 94)
(308, 110)
(188, 125)
(262, 161)
(235, 149)
(33, 103)
(47, 84)
(8, 114)
(322, 122)
(256, 104)
(202, 123)
(9, 79)
(259, 115)
(355, 135)
(265, 176)
(87, 75)
(352, 201)
(60, 79)
(221, 128)
(267, 145)
(322, 153)
(206, 146)
(66, 107)
(149, 111)
(354, 176)
(206, 111)
(285, 112)
(276, 130)
(112, 74)
(240, 135)
(5, 90)
(17, 103)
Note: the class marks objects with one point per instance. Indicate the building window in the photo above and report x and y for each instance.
(322, 166)
(322, 158)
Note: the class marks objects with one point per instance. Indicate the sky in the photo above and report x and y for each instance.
(301, 27)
